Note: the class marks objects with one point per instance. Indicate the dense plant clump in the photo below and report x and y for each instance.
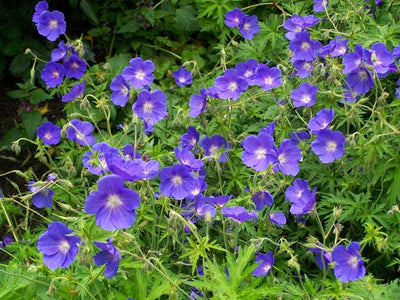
(265, 166)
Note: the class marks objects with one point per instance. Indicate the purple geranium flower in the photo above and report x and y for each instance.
(218, 200)
(234, 18)
(94, 160)
(349, 266)
(360, 80)
(150, 106)
(182, 77)
(58, 246)
(139, 73)
(52, 74)
(239, 214)
(230, 85)
(259, 151)
(199, 186)
(298, 136)
(303, 47)
(127, 166)
(247, 70)
(321, 120)
(249, 27)
(329, 145)
(60, 52)
(75, 67)
(203, 209)
(51, 24)
(176, 181)
(80, 132)
(379, 57)
(75, 92)
(304, 95)
(303, 68)
(320, 5)
(187, 159)
(266, 261)
(215, 147)
(40, 7)
(261, 199)
(49, 133)
(322, 258)
(268, 78)
(113, 204)
(277, 218)
(150, 169)
(109, 256)
(189, 140)
(120, 90)
(42, 196)
(297, 24)
(302, 199)
(289, 155)
(352, 61)
(198, 103)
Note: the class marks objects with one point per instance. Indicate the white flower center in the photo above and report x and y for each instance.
(353, 262)
(113, 201)
(48, 136)
(260, 153)
(53, 24)
(307, 66)
(362, 75)
(55, 74)
(74, 66)
(140, 75)
(342, 50)
(177, 180)
(331, 146)
(181, 79)
(306, 98)
(195, 191)
(233, 86)
(305, 46)
(64, 246)
(246, 26)
(248, 73)
(282, 158)
(148, 107)
(266, 268)
(268, 80)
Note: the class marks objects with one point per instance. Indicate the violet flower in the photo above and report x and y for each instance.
(329, 145)
(198, 103)
(42, 197)
(49, 133)
(268, 78)
(278, 218)
(234, 18)
(304, 95)
(230, 85)
(80, 132)
(176, 181)
(266, 262)
(53, 74)
(75, 92)
(58, 246)
(261, 199)
(239, 214)
(113, 204)
(259, 152)
(94, 160)
(75, 67)
(303, 47)
(302, 199)
(215, 147)
(190, 139)
(120, 91)
(51, 24)
(249, 27)
(349, 265)
(247, 70)
(139, 73)
(109, 256)
(182, 77)
(321, 120)
(289, 155)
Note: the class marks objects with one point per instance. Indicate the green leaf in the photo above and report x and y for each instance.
(131, 26)
(30, 121)
(88, 10)
(38, 96)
